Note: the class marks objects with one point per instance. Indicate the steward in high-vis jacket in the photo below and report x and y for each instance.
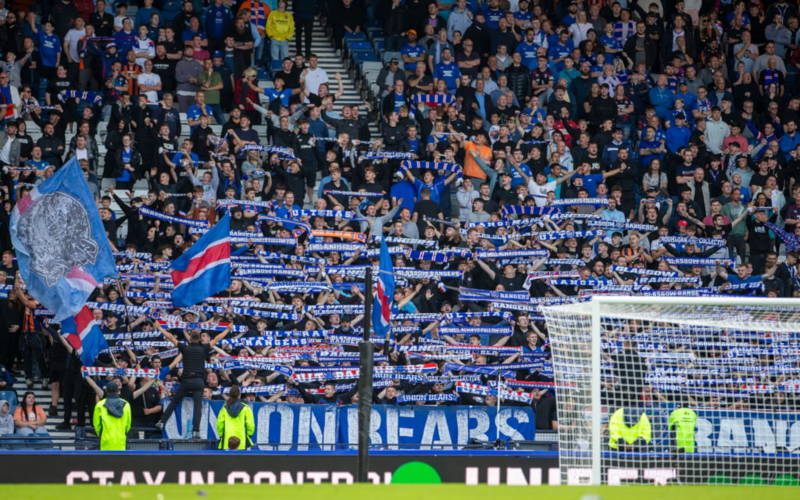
(112, 420)
(235, 419)
(629, 430)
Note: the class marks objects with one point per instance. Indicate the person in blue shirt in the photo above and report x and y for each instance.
(125, 37)
(412, 52)
(678, 134)
(528, 49)
(662, 98)
(447, 70)
(589, 181)
(523, 17)
(194, 29)
(493, 14)
(144, 13)
(560, 50)
(50, 48)
(278, 96)
(198, 109)
(218, 19)
(790, 138)
(689, 99)
(436, 184)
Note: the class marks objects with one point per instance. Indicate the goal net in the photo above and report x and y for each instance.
(677, 390)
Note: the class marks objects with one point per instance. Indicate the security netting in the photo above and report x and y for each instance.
(688, 392)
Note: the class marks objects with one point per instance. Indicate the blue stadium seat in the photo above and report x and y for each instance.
(11, 397)
(358, 45)
(364, 56)
(355, 36)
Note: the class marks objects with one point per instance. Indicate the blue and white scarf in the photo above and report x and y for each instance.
(154, 214)
(595, 202)
(527, 210)
(700, 242)
(360, 194)
(483, 331)
(482, 390)
(428, 398)
(507, 254)
(644, 280)
(561, 235)
(88, 96)
(284, 151)
(431, 165)
(406, 241)
(299, 287)
(477, 295)
(341, 214)
(433, 98)
(699, 261)
(335, 247)
(266, 205)
(565, 262)
(622, 226)
(420, 274)
(103, 371)
(119, 308)
(642, 271)
(387, 155)
(328, 309)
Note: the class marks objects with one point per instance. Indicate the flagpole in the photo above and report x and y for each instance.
(365, 349)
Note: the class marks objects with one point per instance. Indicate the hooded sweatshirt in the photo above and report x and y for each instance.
(6, 419)
(112, 421)
(235, 419)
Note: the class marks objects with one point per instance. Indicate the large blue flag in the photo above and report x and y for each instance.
(383, 294)
(61, 244)
(205, 268)
(84, 335)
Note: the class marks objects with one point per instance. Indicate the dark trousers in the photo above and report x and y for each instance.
(303, 25)
(33, 354)
(76, 393)
(193, 386)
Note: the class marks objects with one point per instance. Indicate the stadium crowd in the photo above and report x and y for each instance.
(528, 152)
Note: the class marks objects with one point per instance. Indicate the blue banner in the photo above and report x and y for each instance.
(722, 432)
(283, 426)
(60, 241)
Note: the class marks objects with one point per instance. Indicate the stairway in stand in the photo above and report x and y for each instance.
(322, 46)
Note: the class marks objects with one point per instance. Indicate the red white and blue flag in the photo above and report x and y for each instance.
(383, 294)
(205, 268)
(83, 333)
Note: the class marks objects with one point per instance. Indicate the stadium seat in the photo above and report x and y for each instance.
(388, 56)
(355, 36)
(11, 397)
(357, 45)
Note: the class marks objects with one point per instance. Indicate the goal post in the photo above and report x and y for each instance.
(677, 389)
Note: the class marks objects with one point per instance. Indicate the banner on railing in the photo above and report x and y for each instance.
(322, 427)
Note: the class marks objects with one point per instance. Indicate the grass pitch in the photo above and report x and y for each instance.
(394, 492)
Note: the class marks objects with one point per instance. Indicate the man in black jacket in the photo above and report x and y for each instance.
(195, 354)
(641, 48)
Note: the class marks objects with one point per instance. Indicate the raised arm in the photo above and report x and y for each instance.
(221, 335)
(167, 335)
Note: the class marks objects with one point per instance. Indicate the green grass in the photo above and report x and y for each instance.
(392, 492)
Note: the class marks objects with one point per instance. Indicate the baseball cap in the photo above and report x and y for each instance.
(409, 32)
(218, 53)
(111, 44)
(683, 223)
